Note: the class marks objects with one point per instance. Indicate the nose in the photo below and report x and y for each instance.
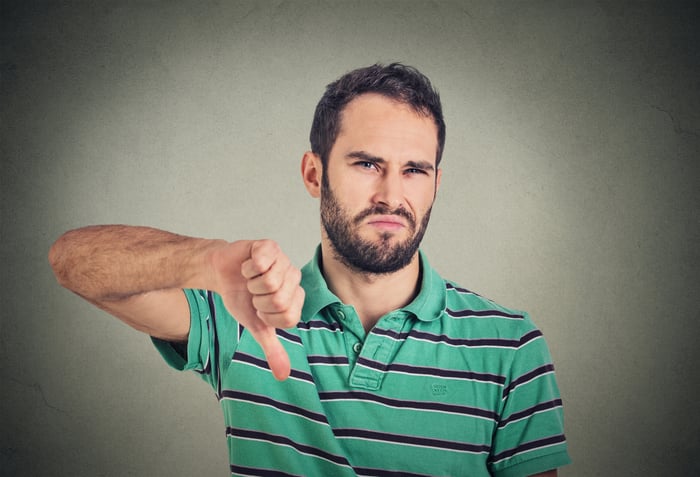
(390, 191)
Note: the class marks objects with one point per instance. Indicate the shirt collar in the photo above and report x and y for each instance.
(427, 306)
(318, 296)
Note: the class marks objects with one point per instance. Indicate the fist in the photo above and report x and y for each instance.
(261, 289)
(274, 285)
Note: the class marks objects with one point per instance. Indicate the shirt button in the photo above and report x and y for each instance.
(341, 314)
(357, 347)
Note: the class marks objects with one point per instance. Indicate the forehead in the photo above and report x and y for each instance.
(385, 127)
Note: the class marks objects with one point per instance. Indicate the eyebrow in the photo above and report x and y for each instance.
(425, 165)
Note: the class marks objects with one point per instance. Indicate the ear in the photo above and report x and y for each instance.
(438, 178)
(311, 173)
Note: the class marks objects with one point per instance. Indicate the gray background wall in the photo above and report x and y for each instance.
(570, 190)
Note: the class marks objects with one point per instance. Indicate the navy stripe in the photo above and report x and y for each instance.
(241, 470)
(450, 286)
(261, 363)
(318, 359)
(529, 337)
(282, 406)
(367, 472)
(411, 440)
(404, 404)
(246, 358)
(516, 416)
(390, 333)
(207, 366)
(301, 376)
(438, 372)
(482, 314)
(528, 446)
(212, 309)
(318, 324)
(547, 368)
(480, 342)
(288, 336)
(458, 341)
(286, 441)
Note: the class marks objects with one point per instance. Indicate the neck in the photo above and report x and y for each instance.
(372, 295)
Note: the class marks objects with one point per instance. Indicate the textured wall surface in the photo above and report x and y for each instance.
(570, 190)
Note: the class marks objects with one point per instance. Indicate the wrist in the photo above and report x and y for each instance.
(199, 269)
(221, 263)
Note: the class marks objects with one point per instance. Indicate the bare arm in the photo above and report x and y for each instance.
(137, 273)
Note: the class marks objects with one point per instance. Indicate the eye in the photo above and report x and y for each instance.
(366, 164)
(415, 170)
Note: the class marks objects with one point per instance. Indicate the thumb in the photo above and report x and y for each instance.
(275, 354)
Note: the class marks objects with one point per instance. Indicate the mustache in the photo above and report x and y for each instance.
(384, 210)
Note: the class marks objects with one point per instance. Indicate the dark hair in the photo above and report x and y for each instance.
(399, 82)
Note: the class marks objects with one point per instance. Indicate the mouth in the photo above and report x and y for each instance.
(387, 222)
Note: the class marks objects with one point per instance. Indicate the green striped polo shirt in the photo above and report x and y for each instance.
(450, 385)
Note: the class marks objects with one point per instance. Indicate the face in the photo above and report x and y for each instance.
(379, 185)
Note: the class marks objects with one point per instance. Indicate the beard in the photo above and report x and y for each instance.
(379, 257)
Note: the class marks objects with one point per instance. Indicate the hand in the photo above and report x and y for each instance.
(261, 289)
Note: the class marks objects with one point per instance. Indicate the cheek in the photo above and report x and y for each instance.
(423, 202)
(355, 195)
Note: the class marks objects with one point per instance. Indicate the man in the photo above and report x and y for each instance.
(366, 362)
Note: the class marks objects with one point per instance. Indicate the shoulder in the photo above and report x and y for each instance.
(466, 300)
(472, 313)
(463, 303)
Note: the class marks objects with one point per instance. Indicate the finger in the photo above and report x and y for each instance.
(280, 278)
(275, 354)
(285, 318)
(263, 256)
(284, 298)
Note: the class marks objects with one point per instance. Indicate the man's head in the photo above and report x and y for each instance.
(404, 84)
(377, 139)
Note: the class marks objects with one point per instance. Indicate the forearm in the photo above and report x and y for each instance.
(114, 262)
(135, 274)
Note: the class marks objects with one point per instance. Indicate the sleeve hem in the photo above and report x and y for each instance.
(535, 466)
(166, 349)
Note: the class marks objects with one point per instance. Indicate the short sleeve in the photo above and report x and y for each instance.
(529, 437)
(210, 326)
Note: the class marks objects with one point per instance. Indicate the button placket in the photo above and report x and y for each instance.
(353, 332)
(379, 349)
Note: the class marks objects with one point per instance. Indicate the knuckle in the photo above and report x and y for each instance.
(270, 282)
(265, 246)
(250, 269)
(289, 320)
(278, 302)
(257, 262)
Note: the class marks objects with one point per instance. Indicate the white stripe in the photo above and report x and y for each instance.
(530, 450)
(412, 409)
(283, 411)
(527, 382)
(530, 415)
(402, 444)
(277, 444)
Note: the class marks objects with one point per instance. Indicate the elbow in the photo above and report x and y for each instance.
(57, 261)
(67, 258)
